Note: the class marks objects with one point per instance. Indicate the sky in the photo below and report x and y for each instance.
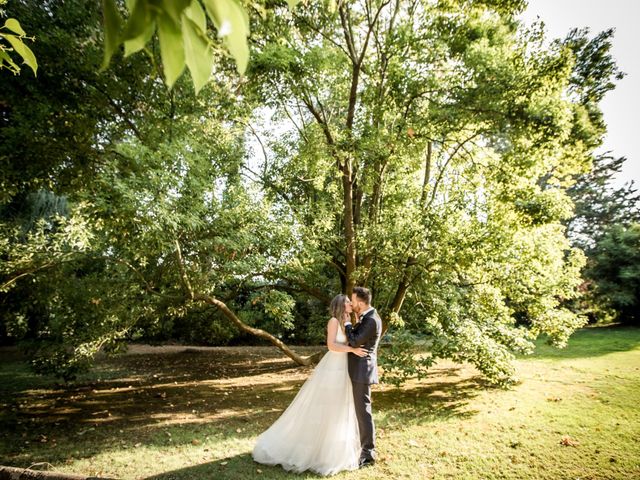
(621, 107)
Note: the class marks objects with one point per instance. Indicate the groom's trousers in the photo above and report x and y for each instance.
(362, 401)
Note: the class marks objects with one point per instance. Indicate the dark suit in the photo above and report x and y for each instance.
(364, 372)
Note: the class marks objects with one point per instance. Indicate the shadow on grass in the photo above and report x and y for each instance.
(590, 342)
(148, 399)
(164, 401)
(434, 401)
(238, 466)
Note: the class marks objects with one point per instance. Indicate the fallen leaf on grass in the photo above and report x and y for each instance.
(195, 441)
(413, 443)
(567, 441)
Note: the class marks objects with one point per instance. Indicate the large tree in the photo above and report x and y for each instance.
(598, 203)
(430, 155)
(421, 149)
(119, 193)
(602, 224)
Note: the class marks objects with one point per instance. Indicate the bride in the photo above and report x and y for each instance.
(319, 429)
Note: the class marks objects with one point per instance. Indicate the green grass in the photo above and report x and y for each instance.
(196, 415)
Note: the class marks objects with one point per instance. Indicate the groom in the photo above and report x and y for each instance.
(364, 370)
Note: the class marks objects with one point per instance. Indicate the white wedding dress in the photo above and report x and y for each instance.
(319, 429)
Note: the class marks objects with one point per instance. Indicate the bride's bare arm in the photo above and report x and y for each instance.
(332, 330)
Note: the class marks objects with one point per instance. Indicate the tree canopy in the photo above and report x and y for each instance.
(422, 149)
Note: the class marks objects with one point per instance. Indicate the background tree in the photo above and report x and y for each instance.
(602, 211)
(614, 269)
(599, 205)
(603, 226)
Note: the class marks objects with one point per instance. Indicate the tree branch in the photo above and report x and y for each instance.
(347, 33)
(321, 33)
(227, 312)
(119, 111)
(320, 119)
(446, 163)
(183, 272)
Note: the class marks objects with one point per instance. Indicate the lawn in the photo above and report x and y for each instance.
(190, 413)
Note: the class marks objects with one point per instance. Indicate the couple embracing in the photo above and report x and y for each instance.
(328, 427)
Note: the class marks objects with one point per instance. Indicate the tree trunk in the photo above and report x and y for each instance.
(349, 231)
(374, 210)
(304, 361)
(401, 292)
(427, 174)
(11, 473)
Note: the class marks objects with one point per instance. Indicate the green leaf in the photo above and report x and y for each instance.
(196, 13)
(175, 8)
(30, 59)
(293, 3)
(4, 57)
(140, 17)
(112, 23)
(171, 48)
(138, 43)
(24, 51)
(14, 25)
(198, 51)
(232, 23)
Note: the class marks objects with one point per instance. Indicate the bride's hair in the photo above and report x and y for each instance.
(337, 308)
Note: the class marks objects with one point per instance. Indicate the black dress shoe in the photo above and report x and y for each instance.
(366, 462)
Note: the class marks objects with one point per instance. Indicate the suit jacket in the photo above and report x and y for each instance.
(365, 334)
